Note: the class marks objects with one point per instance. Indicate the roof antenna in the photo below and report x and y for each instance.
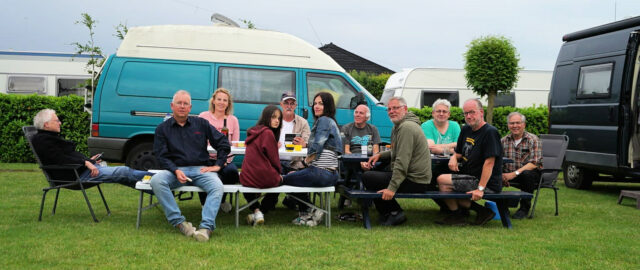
(314, 32)
(218, 18)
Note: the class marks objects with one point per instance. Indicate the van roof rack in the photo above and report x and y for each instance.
(605, 28)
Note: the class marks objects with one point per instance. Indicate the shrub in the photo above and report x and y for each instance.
(374, 83)
(18, 110)
(537, 117)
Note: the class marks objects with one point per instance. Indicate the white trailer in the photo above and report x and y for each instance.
(422, 86)
(43, 73)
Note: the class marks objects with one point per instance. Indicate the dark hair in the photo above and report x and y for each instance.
(265, 119)
(328, 103)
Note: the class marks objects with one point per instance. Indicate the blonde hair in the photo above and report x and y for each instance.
(212, 107)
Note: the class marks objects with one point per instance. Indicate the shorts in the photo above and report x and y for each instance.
(465, 182)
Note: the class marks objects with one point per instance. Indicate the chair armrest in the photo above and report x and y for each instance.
(62, 167)
(543, 171)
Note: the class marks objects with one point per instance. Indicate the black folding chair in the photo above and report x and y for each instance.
(62, 176)
(554, 147)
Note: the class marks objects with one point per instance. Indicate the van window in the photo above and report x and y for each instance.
(595, 80)
(254, 85)
(70, 86)
(429, 97)
(337, 86)
(27, 84)
(164, 79)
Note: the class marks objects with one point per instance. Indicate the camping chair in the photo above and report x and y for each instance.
(62, 176)
(554, 146)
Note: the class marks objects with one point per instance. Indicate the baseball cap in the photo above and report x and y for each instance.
(288, 95)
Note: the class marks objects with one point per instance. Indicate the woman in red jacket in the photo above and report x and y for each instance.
(261, 164)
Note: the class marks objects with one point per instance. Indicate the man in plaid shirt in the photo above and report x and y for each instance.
(525, 150)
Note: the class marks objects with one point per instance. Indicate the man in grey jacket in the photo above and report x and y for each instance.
(410, 163)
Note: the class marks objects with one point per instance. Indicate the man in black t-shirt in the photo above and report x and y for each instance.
(479, 152)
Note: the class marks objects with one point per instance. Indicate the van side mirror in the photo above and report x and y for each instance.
(357, 100)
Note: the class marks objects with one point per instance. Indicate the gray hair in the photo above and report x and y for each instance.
(401, 100)
(368, 113)
(442, 101)
(181, 92)
(477, 101)
(524, 119)
(42, 117)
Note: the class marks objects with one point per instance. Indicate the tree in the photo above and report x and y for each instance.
(491, 68)
(91, 48)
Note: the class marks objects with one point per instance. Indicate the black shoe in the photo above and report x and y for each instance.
(520, 214)
(483, 216)
(395, 219)
(289, 203)
(457, 218)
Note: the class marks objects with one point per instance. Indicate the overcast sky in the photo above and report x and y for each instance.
(396, 34)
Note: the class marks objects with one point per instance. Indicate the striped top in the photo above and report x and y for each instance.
(327, 160)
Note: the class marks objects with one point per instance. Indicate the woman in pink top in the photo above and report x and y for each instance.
(221, 108)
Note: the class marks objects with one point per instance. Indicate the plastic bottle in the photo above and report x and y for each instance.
(166, 117)
(363, 149)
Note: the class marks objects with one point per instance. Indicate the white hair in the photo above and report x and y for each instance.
(524, 119)
(368, 113)
(400, 100)
(181, 92)
(42, 117)
(442, 101)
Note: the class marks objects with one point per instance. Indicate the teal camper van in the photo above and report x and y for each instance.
(138, 82)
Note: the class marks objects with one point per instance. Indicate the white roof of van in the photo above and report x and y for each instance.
(224, 44)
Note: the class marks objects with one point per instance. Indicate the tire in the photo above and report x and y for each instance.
(577, 177)
(141, 157)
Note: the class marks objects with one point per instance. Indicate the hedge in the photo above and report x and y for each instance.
(537, 117)
(18, 110)
(374, 83)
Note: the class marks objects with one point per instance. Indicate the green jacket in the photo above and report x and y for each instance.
(410, 156)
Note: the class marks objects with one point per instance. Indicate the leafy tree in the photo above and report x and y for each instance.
(491, 68)
(90, 47)
(121, 30)
(248, 23)
(374, 83)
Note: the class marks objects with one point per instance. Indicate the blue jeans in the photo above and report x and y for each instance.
(119, 174)
(311, 177)
(164, 181)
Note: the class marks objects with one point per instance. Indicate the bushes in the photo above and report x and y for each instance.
(537, 117)
(18, 110)
(372, 82)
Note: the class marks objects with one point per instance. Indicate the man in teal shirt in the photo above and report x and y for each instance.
(442, 133)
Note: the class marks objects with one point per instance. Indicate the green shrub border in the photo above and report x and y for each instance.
(18, 110)
(537, 117)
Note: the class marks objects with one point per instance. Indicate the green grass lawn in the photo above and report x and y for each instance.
(591, 232)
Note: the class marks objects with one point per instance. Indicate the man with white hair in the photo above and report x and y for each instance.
(52, 149)
(442, 133)
(360, 133)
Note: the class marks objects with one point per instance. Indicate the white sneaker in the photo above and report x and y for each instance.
(226, 207)
(186, 228)
(251, 219)
(202, 235)
(258, 218)
(316, 216)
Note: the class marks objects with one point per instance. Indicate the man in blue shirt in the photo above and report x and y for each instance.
(180, 146)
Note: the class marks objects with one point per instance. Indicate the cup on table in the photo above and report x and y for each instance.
(297, 147)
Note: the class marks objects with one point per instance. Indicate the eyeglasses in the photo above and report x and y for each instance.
(441, 111)
(515, 123)
(182, 104)
(470, 113)
(55, 120)
(289, 103)
(395, 108)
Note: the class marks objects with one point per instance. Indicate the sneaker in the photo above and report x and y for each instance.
(202, 235)
(258, 218)
(226, 207)
(316, 215)
(520, 214)
(302, 218)
(347, 203)
(454, 219)
(251, 219)
(395, 219)
(186, 228)
(483, 216)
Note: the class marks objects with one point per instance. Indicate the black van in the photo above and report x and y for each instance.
(594, 100)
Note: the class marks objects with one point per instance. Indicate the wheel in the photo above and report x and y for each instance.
(576, 177)
(141, 157)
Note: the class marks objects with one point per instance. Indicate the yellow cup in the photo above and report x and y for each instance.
(289, 147)
(241, 144)
(297, 148)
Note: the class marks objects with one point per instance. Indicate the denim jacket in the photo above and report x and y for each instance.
(324, 135)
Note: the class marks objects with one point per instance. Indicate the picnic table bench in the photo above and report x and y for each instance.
(502, 200)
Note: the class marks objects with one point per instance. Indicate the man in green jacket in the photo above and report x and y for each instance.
(410, 163)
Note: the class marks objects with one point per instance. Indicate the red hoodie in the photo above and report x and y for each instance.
(261, 164)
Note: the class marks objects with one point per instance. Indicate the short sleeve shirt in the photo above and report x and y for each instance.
(450, 136)
(355, 137)
(476, 147)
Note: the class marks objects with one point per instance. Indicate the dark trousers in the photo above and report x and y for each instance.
(526, 182)
(268, 203)
(228, 175)
(377, 180)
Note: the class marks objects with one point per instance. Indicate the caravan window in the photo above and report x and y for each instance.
(71, 86)
(27, 85)
(256, 85)
(337, 86)
(430, 96)
(595, 80)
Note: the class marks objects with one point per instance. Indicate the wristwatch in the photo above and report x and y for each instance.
(481, 188)
(517, 172)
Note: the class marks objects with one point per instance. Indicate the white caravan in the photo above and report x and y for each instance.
(422, 86)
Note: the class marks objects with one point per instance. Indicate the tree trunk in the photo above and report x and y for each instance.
(490, 101)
